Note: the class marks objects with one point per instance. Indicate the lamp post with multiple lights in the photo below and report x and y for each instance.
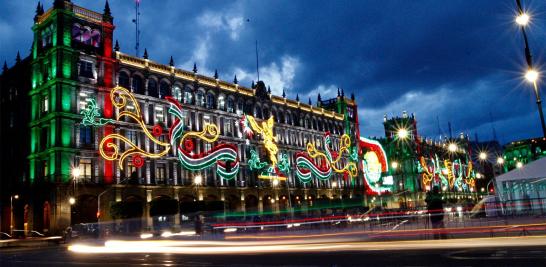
(531, 75)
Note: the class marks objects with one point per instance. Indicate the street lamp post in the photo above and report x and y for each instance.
(532, 75)
(11, 212)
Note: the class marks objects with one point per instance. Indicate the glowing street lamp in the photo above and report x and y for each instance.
(519, 165)
(198, 179)
(483, 156)
(394, 165)
(500, 160)
(478, 175)
(402, 133)
(72, 200)
(452, 147)
(531, 75)
(522, 19)
(76, 172)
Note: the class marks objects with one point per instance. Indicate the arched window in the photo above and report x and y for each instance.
(288, 118)
(137, 85)
(76, 32)
(152, 88)
(95, 38)
(240, 107)
(266, 113)
(222, 102)
(281, 117)
(230, 105)
(200, 99)
(188, 95)
(123, 80)
(211, 101)
(86, 37)
(177, 93)
(164, 89)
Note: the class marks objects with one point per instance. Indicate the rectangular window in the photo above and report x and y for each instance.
(86, 168)
(86, 69)
(85, 98)
(133, 137)
(227, 127)
(45, 168)
(86, 135)
(159, 116)
(160, 173)
(44, 138)
(45, 104)
(130, 170)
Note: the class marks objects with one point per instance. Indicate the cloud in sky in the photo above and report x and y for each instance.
(454, 60)
(278, 76)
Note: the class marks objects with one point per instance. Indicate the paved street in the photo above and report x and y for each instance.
(452, 253)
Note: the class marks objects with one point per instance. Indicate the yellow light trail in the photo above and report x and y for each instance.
(220, 247)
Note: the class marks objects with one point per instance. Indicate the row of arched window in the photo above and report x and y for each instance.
(187, 95)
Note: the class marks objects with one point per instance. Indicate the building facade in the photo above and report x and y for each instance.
(417, 164)
(76, 119)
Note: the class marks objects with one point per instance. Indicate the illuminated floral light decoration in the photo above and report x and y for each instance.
(374, 164)
(278, 167)
(223, 155)
(306, 167)
(109, 150)
(450, 175)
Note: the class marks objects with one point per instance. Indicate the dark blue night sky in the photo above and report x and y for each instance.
(458, 61)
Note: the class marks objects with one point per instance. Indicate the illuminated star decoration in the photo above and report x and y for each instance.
(91, 113)
(223, 155)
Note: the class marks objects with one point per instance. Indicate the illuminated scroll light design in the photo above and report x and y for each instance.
(91, 113)
(451, 174)
(119, 96)
(306, 167)
(374, 164)
(223, 155)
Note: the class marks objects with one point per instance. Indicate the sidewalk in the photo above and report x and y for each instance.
(31, 242)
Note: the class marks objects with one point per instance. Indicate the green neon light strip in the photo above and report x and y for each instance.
(90, 115)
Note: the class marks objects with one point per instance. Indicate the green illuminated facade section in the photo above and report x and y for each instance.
(52, 98)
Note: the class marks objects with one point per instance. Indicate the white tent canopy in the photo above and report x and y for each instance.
(533, 170)
(523, 183)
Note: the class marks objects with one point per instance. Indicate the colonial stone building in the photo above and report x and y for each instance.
(74, 61)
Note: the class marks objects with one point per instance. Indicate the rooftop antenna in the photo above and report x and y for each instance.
(136, 21)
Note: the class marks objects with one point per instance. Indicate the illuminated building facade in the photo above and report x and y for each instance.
(518, 153)
(78, 76)
(414, 164)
